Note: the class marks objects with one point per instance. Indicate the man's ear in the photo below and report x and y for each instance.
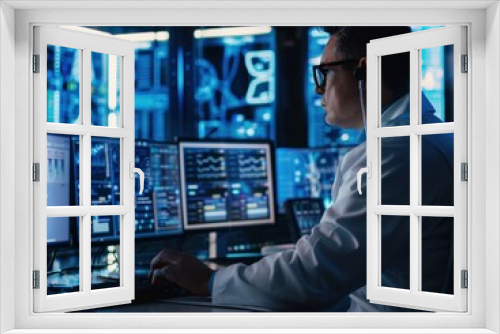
(360, 71)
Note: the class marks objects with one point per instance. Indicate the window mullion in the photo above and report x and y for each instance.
(434, 128)
(109, 210)
(420, 129)
(85, 247)
(66, 129)
(372, 189)
(85, 147)
(85, 173)
(102, 131)
(392, 210)
(414, 170)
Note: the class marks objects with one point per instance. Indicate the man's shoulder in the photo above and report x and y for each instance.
(356, 154)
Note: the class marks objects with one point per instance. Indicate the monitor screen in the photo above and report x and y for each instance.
(157, 209)
(151, 88)
(58, 187)
(226, 184)
(305, 213)
(234, 73)
(305, 173)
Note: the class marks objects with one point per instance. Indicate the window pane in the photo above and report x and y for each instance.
(395, 234)
(437, 254)
(395, 171)
(437, 84)
(63, 85)
(106, 89)
(437, 169)
(105, 252)
(62, 179)
(105, 170)
(63, 260)
(394, 89)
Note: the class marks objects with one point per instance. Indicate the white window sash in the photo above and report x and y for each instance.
(414, 298)
(86, 297)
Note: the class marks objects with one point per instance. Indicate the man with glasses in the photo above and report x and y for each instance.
(327, 269)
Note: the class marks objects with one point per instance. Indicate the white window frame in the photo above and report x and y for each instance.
(414, 296)
(484, 103)
(85, 44)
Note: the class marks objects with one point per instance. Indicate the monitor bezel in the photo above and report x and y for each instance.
(221, 143)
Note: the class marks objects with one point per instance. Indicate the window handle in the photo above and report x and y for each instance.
(362, 171)
(134, 170)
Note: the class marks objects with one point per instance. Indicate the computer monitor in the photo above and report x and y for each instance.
(305, 173)
(226, 184)
(157, 209)
(58, 187)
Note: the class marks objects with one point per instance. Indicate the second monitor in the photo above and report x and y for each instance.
(226, 184)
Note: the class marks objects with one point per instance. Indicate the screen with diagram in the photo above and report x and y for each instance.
(226, 184)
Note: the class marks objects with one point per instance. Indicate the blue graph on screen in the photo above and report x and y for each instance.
(226, 184)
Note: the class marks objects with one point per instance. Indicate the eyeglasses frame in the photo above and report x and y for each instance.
(322, 67)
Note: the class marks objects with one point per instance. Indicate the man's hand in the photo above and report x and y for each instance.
(181, 268)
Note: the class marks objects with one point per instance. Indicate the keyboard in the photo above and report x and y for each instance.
(144, 291)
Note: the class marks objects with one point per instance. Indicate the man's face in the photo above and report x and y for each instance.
(340, 97)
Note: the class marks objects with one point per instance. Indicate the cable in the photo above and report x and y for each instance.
(52, 259)
(361, 89)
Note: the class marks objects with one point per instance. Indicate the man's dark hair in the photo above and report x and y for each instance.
(351, 43)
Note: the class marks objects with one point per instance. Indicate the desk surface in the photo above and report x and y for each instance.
(181, 304)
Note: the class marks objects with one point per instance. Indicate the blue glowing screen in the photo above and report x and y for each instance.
(226, 184)
(433, 78)
(152, 104)
(235, 86)
(305, 173)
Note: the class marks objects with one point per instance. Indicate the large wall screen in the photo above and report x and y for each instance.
(235, 82)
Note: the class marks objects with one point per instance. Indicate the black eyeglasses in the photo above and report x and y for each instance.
(320, 71)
